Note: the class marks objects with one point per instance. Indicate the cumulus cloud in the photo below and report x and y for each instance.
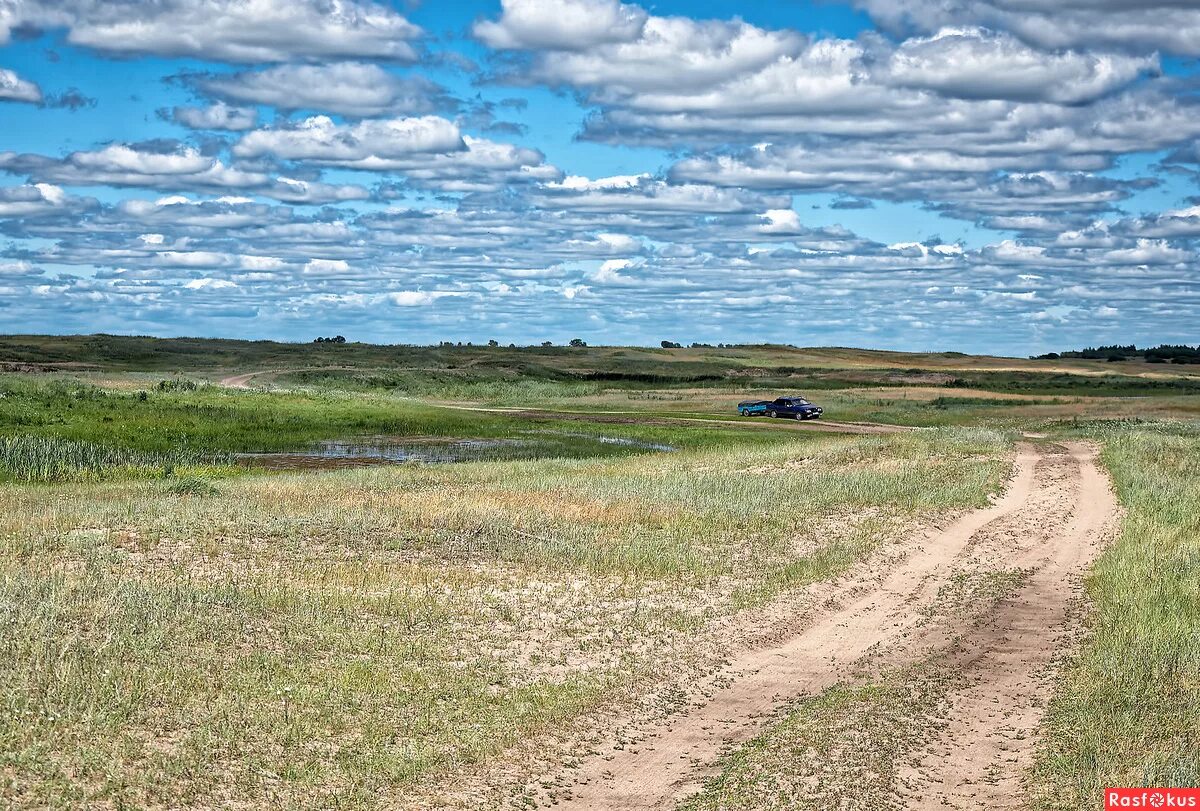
(14, 88)
(926, 118)
(1138, 25)
(561, 24)
(39, 200)
(694, 264)
(609, 271)
(370, 144)
(225, 30)
(219, 116)
(972, 63)
(644, 194)
(484, 166)
(780, 221)
(671, 54)
(175, 169)
(418, 298)
(348, 88)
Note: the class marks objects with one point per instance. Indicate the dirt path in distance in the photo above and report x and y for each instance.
(242, 381)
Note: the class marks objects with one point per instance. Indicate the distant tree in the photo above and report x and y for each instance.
(578, 342)
(671, 345)
(493, 342)
(512, 346)
(339, 339)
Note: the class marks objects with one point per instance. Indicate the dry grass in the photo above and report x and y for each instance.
(343, 638)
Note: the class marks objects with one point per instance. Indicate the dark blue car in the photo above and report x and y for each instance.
(795, 408)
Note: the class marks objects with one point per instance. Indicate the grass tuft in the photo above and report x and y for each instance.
(191, 486)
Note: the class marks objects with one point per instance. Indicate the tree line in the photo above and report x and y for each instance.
(1163, 353)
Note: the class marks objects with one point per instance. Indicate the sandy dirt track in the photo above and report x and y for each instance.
(1051, 522)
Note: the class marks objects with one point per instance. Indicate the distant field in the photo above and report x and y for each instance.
(618, 551)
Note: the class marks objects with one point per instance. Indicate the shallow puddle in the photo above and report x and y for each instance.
(371, 451)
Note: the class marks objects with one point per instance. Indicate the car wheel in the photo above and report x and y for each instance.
(772, 414)
(799, 416)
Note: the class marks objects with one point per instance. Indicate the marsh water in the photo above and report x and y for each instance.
(384, 450)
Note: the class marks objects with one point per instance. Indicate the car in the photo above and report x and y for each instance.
(796, 408)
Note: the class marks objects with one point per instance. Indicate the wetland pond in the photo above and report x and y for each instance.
(393, 450)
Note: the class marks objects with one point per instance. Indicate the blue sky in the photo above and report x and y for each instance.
(904, 174)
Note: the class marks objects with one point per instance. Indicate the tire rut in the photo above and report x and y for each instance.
(987, 743)
(1050, 520)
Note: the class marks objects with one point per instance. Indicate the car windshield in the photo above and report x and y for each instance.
(799, 401)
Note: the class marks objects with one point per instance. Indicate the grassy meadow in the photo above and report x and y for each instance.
(180, 630)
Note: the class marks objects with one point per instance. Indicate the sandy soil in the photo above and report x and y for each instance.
(1051, 522)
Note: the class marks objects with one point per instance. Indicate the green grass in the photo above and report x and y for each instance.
(29, 458)
(135, 429)
(1127, 712)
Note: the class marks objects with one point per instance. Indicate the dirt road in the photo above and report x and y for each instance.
(243, 381)
(1050, 523)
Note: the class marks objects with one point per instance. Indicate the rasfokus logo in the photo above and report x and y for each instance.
(1152, 798)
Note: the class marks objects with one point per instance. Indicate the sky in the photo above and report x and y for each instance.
(1003, 176)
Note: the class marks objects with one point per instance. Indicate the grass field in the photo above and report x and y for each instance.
(179, 630)
(1128, 709)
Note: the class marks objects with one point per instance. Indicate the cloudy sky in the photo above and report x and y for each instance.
(1009, 176)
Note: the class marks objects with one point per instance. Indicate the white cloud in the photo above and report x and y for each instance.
(417, 298)
(181, 168)
(349, 88)
(326, 266)
(14, 88)
(671, 55)
(219, 116)
(368, 144)
(646, 195)
(1138, 25)
(210, 284)
(225, 30)
(972, 63)
(609, 271)
(780, 221)
(581, 183)
(38, 200)
(561, 24)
